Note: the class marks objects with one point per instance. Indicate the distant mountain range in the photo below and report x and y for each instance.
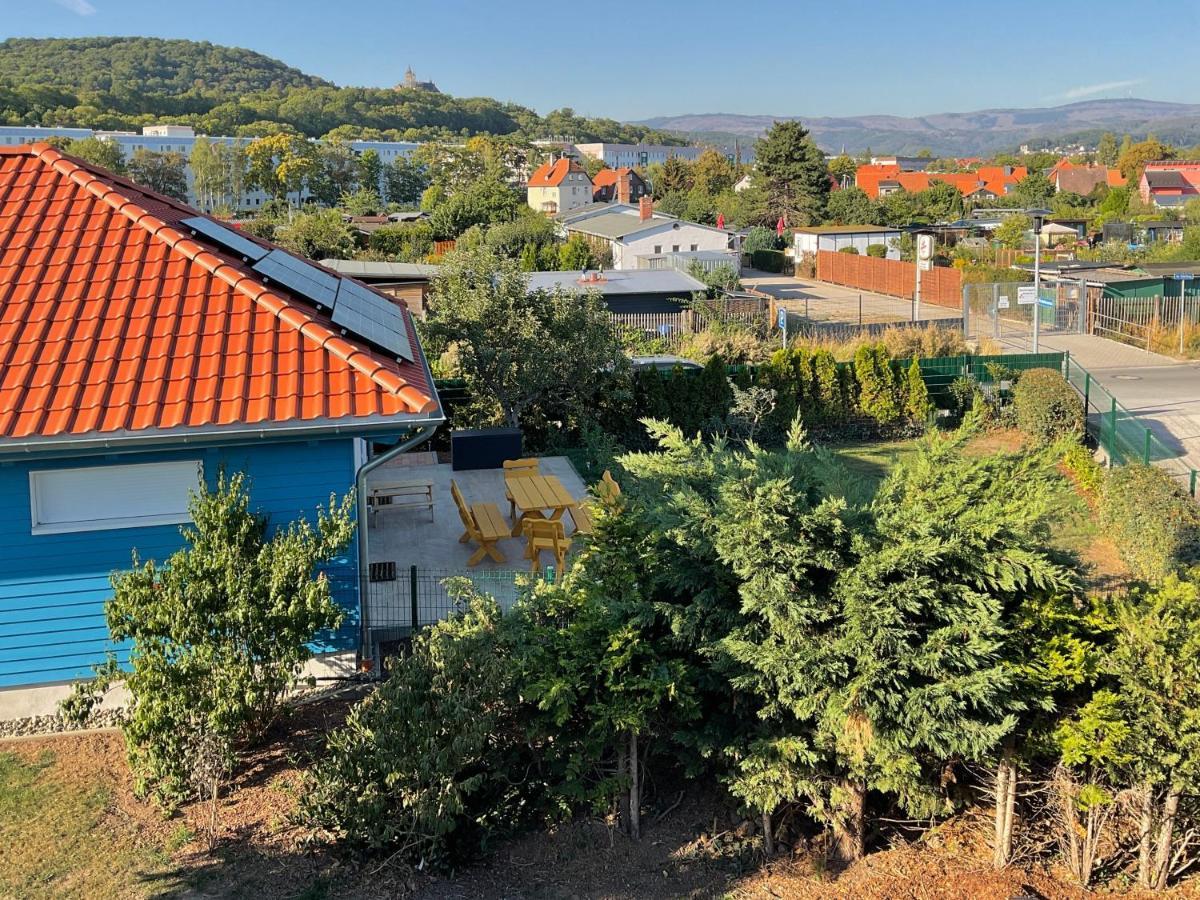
(960, 134)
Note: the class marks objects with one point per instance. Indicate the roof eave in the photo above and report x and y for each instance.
(214, 436)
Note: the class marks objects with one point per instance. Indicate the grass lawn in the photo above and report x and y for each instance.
(872, 460)
(63, 833)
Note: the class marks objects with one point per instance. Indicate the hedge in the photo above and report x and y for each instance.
(1047, 407)
(1155, 525)
(768, 260)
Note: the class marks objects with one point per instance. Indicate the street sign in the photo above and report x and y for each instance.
(1184, 276)
(1027, 296)
(783, 318)
(1046, 304)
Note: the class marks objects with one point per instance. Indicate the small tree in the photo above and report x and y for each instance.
(218, 634)
(917, 405)
(317, 235)
(517, 347)
(161, 172)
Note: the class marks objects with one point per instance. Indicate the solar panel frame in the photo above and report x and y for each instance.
(364, 313)
(298, 276)
(228, 238)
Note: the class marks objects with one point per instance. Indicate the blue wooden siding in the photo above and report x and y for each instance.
(53, 586)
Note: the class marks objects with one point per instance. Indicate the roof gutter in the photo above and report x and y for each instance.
(424, 433)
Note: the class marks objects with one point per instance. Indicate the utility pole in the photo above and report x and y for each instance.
(1039, 217)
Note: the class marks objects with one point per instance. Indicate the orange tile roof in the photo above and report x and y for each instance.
(551, 174)
(605, 177)
(115, 322)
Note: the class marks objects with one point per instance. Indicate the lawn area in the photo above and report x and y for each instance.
(872, 460)
(63, 832)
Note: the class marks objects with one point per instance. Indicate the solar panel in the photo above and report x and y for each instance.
(373, 318)
(227, 238)
(307, 281)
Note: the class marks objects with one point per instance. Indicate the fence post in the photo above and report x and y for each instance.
(1146, 452)
(860, 310)
(1192, 486)
(412, 596)
(966, 310)
(1112, 451)
(1087, 392)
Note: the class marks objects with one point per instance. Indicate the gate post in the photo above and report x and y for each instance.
(1087, 392)
(966, 310)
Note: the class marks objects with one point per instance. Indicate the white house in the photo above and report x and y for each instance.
(630, 232)
(839, 237)
(559, 186)
(617, 156)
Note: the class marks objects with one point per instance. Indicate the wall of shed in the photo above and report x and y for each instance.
(53, 586)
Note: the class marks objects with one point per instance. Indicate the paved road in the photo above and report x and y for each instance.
(1160, 390)
(826, 302)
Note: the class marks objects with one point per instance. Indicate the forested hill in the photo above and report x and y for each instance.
(126, 65)
(124, 83)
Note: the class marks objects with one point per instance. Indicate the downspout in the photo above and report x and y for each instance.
(424, 433)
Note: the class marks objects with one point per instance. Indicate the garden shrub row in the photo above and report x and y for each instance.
(1155, 525)
(768, 260)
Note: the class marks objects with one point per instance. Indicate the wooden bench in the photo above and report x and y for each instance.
(484, 524)
(402, 495)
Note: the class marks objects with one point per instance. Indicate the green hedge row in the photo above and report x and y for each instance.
(1155, 525)
(768, 260)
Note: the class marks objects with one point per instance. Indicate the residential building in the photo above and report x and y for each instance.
(182, 139)
(627, 291)
(840, 237)
(1080, 179)
(986, 182)
(149, 347)
(618, 156)
(1170, 183)
(619, 185)
(558, 186)
(628, 231)
(409, 282)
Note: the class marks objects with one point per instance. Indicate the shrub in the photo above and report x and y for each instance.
(917, 406)
(878, 251)
(422, 766)
(219, 633)
(760, 238)
(1047, 407)
(852, 251)
(878, 387)
(768, 260)
(1154, 524)
(1081, 464)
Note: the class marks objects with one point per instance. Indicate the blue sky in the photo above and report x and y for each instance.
(766, 57)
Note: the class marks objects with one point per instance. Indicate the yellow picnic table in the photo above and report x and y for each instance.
(534, 493)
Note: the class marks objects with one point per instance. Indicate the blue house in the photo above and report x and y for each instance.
(143, 347)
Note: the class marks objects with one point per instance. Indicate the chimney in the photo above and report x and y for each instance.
(624, 182)
(645, 208)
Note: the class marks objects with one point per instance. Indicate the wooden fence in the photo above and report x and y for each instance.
(441, 248)
(940, 286)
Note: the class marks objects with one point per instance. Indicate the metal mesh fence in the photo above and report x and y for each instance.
(1004, 310)
(1122, 435)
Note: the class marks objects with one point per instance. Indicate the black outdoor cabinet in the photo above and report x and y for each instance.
(484, 448)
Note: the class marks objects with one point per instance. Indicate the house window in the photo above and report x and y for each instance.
(694, 247)
(674, 248)
(99, 498)
(658, 248)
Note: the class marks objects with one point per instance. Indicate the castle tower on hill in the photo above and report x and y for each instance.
(411, 83)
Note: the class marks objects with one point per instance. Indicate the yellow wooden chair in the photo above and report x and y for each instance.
(519, 468)
(607, 490)
(483, 523)
(546, 534)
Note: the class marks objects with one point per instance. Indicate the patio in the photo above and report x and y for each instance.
(413, 537)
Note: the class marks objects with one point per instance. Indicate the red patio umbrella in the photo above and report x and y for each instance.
(779, 227)
(720, 220)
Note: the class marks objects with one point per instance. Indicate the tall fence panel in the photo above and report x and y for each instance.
(1166, 324)
(940, 286)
